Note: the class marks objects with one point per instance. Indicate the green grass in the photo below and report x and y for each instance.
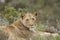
(38, 37)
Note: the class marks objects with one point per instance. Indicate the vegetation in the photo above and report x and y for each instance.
(48, 13)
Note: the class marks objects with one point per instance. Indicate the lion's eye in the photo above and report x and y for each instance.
(32, 18)
(27, 19)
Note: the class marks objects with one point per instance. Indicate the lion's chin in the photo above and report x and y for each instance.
(32, 29)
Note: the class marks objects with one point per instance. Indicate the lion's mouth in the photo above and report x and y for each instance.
(32, 28)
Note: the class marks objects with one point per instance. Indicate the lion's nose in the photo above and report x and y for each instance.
(31, 25)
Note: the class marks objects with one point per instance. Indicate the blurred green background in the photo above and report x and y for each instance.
(48, 12)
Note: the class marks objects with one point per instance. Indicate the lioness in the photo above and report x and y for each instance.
(21, 29)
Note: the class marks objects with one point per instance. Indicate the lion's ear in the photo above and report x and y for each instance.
(35, 14)
(22, 15)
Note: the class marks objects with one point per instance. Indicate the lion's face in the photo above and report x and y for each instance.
(29, 20)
